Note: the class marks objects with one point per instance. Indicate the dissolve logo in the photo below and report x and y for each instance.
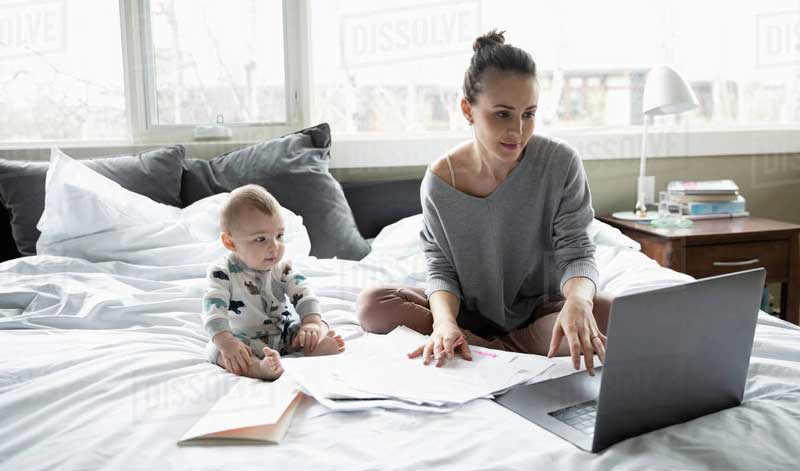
(404, 34)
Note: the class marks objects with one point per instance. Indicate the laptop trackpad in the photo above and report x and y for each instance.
(553, 404)
(581, 416)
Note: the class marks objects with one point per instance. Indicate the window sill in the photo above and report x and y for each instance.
(353, 151)
(397, 150)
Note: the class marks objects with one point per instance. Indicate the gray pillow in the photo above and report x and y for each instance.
(294, 168)
(154, 173)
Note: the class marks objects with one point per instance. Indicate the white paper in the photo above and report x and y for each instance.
(327, 406)
(457, 381)
(318, 377)
(376, 370)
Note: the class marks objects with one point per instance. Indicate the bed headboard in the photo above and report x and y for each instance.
(8, 249)
(375, 204)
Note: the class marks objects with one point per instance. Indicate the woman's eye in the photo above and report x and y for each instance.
(529, 115)
(260, 239)
(502, 114)
(280, 236)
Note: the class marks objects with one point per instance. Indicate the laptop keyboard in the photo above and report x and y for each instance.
(580, 416)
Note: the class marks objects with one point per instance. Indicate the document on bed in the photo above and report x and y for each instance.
(319, 378)
(390, 372)
(376, 372)
(252, 412)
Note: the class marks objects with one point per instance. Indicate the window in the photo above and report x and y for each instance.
(398, 65)
(61, 76)
(213, 61)
(390, 72)
(391, 66)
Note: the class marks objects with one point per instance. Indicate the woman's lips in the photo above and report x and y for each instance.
(509, 146)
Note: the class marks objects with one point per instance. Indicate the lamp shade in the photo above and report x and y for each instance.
(665, 92)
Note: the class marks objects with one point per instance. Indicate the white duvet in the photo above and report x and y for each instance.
(102, 367)
(102, 362)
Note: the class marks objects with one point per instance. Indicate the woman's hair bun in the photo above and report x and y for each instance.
(491, 51)
(492, 38)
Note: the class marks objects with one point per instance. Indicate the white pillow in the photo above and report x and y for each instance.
(400, 239)
(604, 234)
(88, 216)
(80, 201)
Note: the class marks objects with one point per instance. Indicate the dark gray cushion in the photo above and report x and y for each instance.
(294, 168)
(154, 173)
(375, 205)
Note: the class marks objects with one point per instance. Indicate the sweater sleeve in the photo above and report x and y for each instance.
(442, 275)
(216, 300)
(574, 249)
(300, 294)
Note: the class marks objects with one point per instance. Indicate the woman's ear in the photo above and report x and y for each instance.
(466, 109)
(227, 241)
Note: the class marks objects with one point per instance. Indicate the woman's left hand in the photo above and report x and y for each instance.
(576, 322)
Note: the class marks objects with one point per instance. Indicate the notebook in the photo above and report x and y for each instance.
(252, 412)
(699, 217)
(718, 187)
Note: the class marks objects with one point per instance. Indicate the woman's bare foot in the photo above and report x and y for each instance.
(269, 368)
(330, 344)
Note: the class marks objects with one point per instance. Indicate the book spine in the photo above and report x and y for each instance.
(715, 207)
(708, 198)
(699, 217)
(705, 186)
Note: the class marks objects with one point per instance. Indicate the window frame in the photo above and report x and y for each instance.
(387, 149)
(140, 90)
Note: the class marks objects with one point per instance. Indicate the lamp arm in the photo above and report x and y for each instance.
(641, 208)
(643, 158)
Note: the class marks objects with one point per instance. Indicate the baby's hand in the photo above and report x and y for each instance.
(308, 337)
(236, 356)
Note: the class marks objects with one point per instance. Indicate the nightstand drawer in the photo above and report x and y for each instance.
(709, 260)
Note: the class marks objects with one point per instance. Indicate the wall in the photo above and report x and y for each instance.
(770, 183)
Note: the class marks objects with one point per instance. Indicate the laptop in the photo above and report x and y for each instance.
(673, 354)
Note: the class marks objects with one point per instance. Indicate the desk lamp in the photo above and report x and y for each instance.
(665, 92)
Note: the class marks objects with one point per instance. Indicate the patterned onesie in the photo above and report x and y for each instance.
(252, 304)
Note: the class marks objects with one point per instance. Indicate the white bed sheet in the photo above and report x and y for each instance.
(102, 367)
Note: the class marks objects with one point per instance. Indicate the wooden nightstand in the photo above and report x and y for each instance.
(713, 247)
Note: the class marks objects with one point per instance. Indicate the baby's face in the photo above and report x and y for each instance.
(258, 238)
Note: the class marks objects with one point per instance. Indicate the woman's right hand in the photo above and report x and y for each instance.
(443, 343)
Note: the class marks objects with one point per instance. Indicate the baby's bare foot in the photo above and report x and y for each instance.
(338, 338)
(269, 368)
(331, 344)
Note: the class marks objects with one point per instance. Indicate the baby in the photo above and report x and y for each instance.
(244, 309)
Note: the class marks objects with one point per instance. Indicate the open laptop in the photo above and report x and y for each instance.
(673, 354)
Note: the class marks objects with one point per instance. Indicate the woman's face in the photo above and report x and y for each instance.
(503, 113)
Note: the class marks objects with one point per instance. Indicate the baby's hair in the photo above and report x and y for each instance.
(491, 51)
(248, 196)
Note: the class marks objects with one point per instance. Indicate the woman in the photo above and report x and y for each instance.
(510, 263)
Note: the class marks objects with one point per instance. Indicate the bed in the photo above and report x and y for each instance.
(103, 367)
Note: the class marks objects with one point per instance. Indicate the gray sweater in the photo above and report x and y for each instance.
(503, 253)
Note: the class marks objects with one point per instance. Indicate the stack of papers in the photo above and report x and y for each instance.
(375, 371)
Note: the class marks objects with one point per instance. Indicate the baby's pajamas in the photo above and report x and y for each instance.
(252, 304)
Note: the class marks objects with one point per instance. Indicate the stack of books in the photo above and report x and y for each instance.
(711, 199)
